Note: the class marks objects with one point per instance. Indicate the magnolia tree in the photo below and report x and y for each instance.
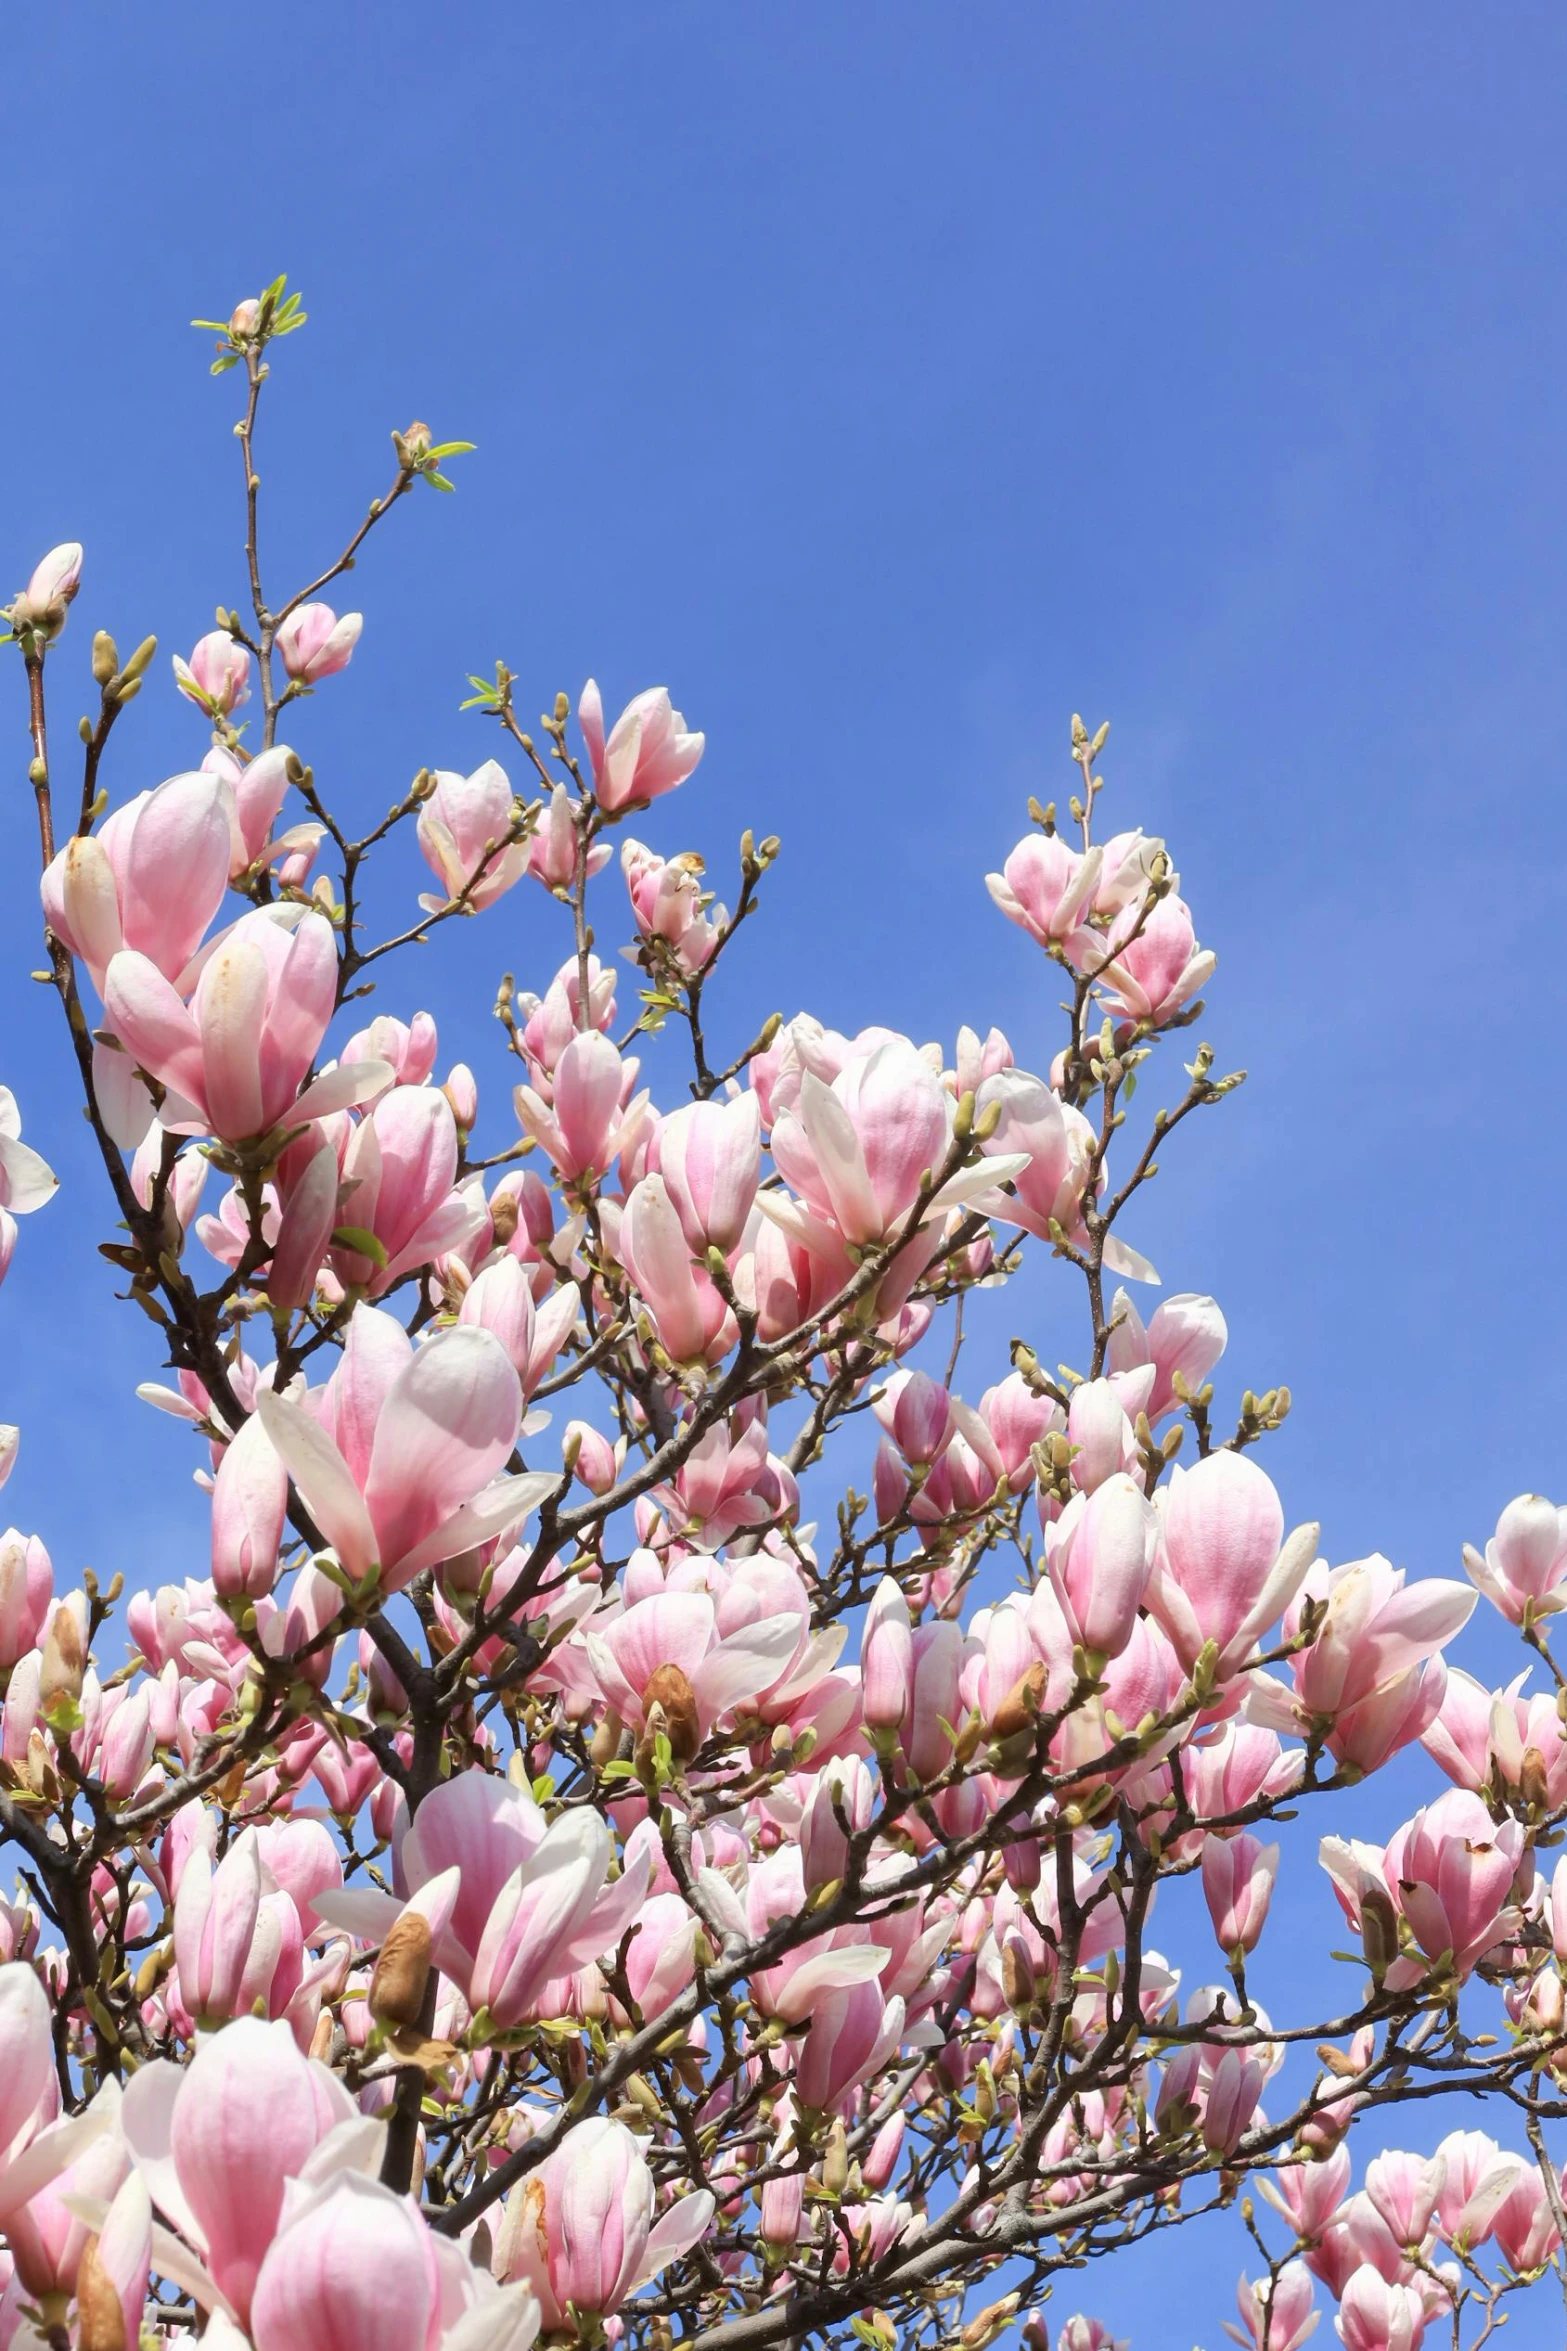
(526, 1882)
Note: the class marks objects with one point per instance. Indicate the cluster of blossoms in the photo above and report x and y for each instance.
(531, 1880)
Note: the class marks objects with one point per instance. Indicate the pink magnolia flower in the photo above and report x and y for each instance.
(549, 1022)
(555, 850)
(1525, 2225)
(730, 1480)
(150, 879)
(124, 2252)
(710, 1157)
(218, 2140)
(1234, 2087)
(1018, 1420)
(1046, 887)
(588, 1122)
(237, 1936)
(1525, 1564)
(667, 1648)
(500, 1299)
(887, 1659)
(1481, 1737)
(532, 1903)
(1451, 1872)
(356, 2267)
(1309, 2194)
(462, 828)
(309, 1182)
(237, 1055)
(217, 676)
(916, 1413)
(1405, 2190)
(47, 2237)
(852, 2032)
(27, 2051)
(690, 1315)
(399, 1184)
(1237, 1883)
(1224, 1571)
(1055, 1142)
(26, 1181)
(667, 902)
(1376, 2316)
(1155, 966)
(580, 2230)
(1100, 1553)
(1184, 1337)
(1100, 1434)
(258, 787)
(407, 1047)
(42, 603)
(856, 1150)
(1477, 2177)
(1088, 2334)
(313, 643)
(1374, 1670)
(1278, 2314)
(26, 1589)
(249, 1510)
(398, 1471)
(647, 753)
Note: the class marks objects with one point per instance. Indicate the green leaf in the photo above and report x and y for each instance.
(438, 481)
(211, 326)
(362, 1242)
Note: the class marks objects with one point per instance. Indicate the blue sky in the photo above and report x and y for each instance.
(891, 382)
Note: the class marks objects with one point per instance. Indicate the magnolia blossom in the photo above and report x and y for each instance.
(1276, 2314)
(312, 643)
(150, 879)
(1524, 1567)
(235, 1058)
(522, 1904)
(397, 1466)
(217, 675)
(41, 606)
(646, 753)
(26, 1181)
(581, 2231)
(560, 1861)
(467, 831)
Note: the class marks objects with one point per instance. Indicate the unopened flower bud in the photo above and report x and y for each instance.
(990, 2322)
(399, 1977)
(606, 1740)
(1020, 1706)
(1532, 1782)
(41, 605)
(100, 2317)
(835, 2163)
(462, 1092)
(1017, 1975)
(667, 1687)
(64, 1662)
(1378, 1932)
